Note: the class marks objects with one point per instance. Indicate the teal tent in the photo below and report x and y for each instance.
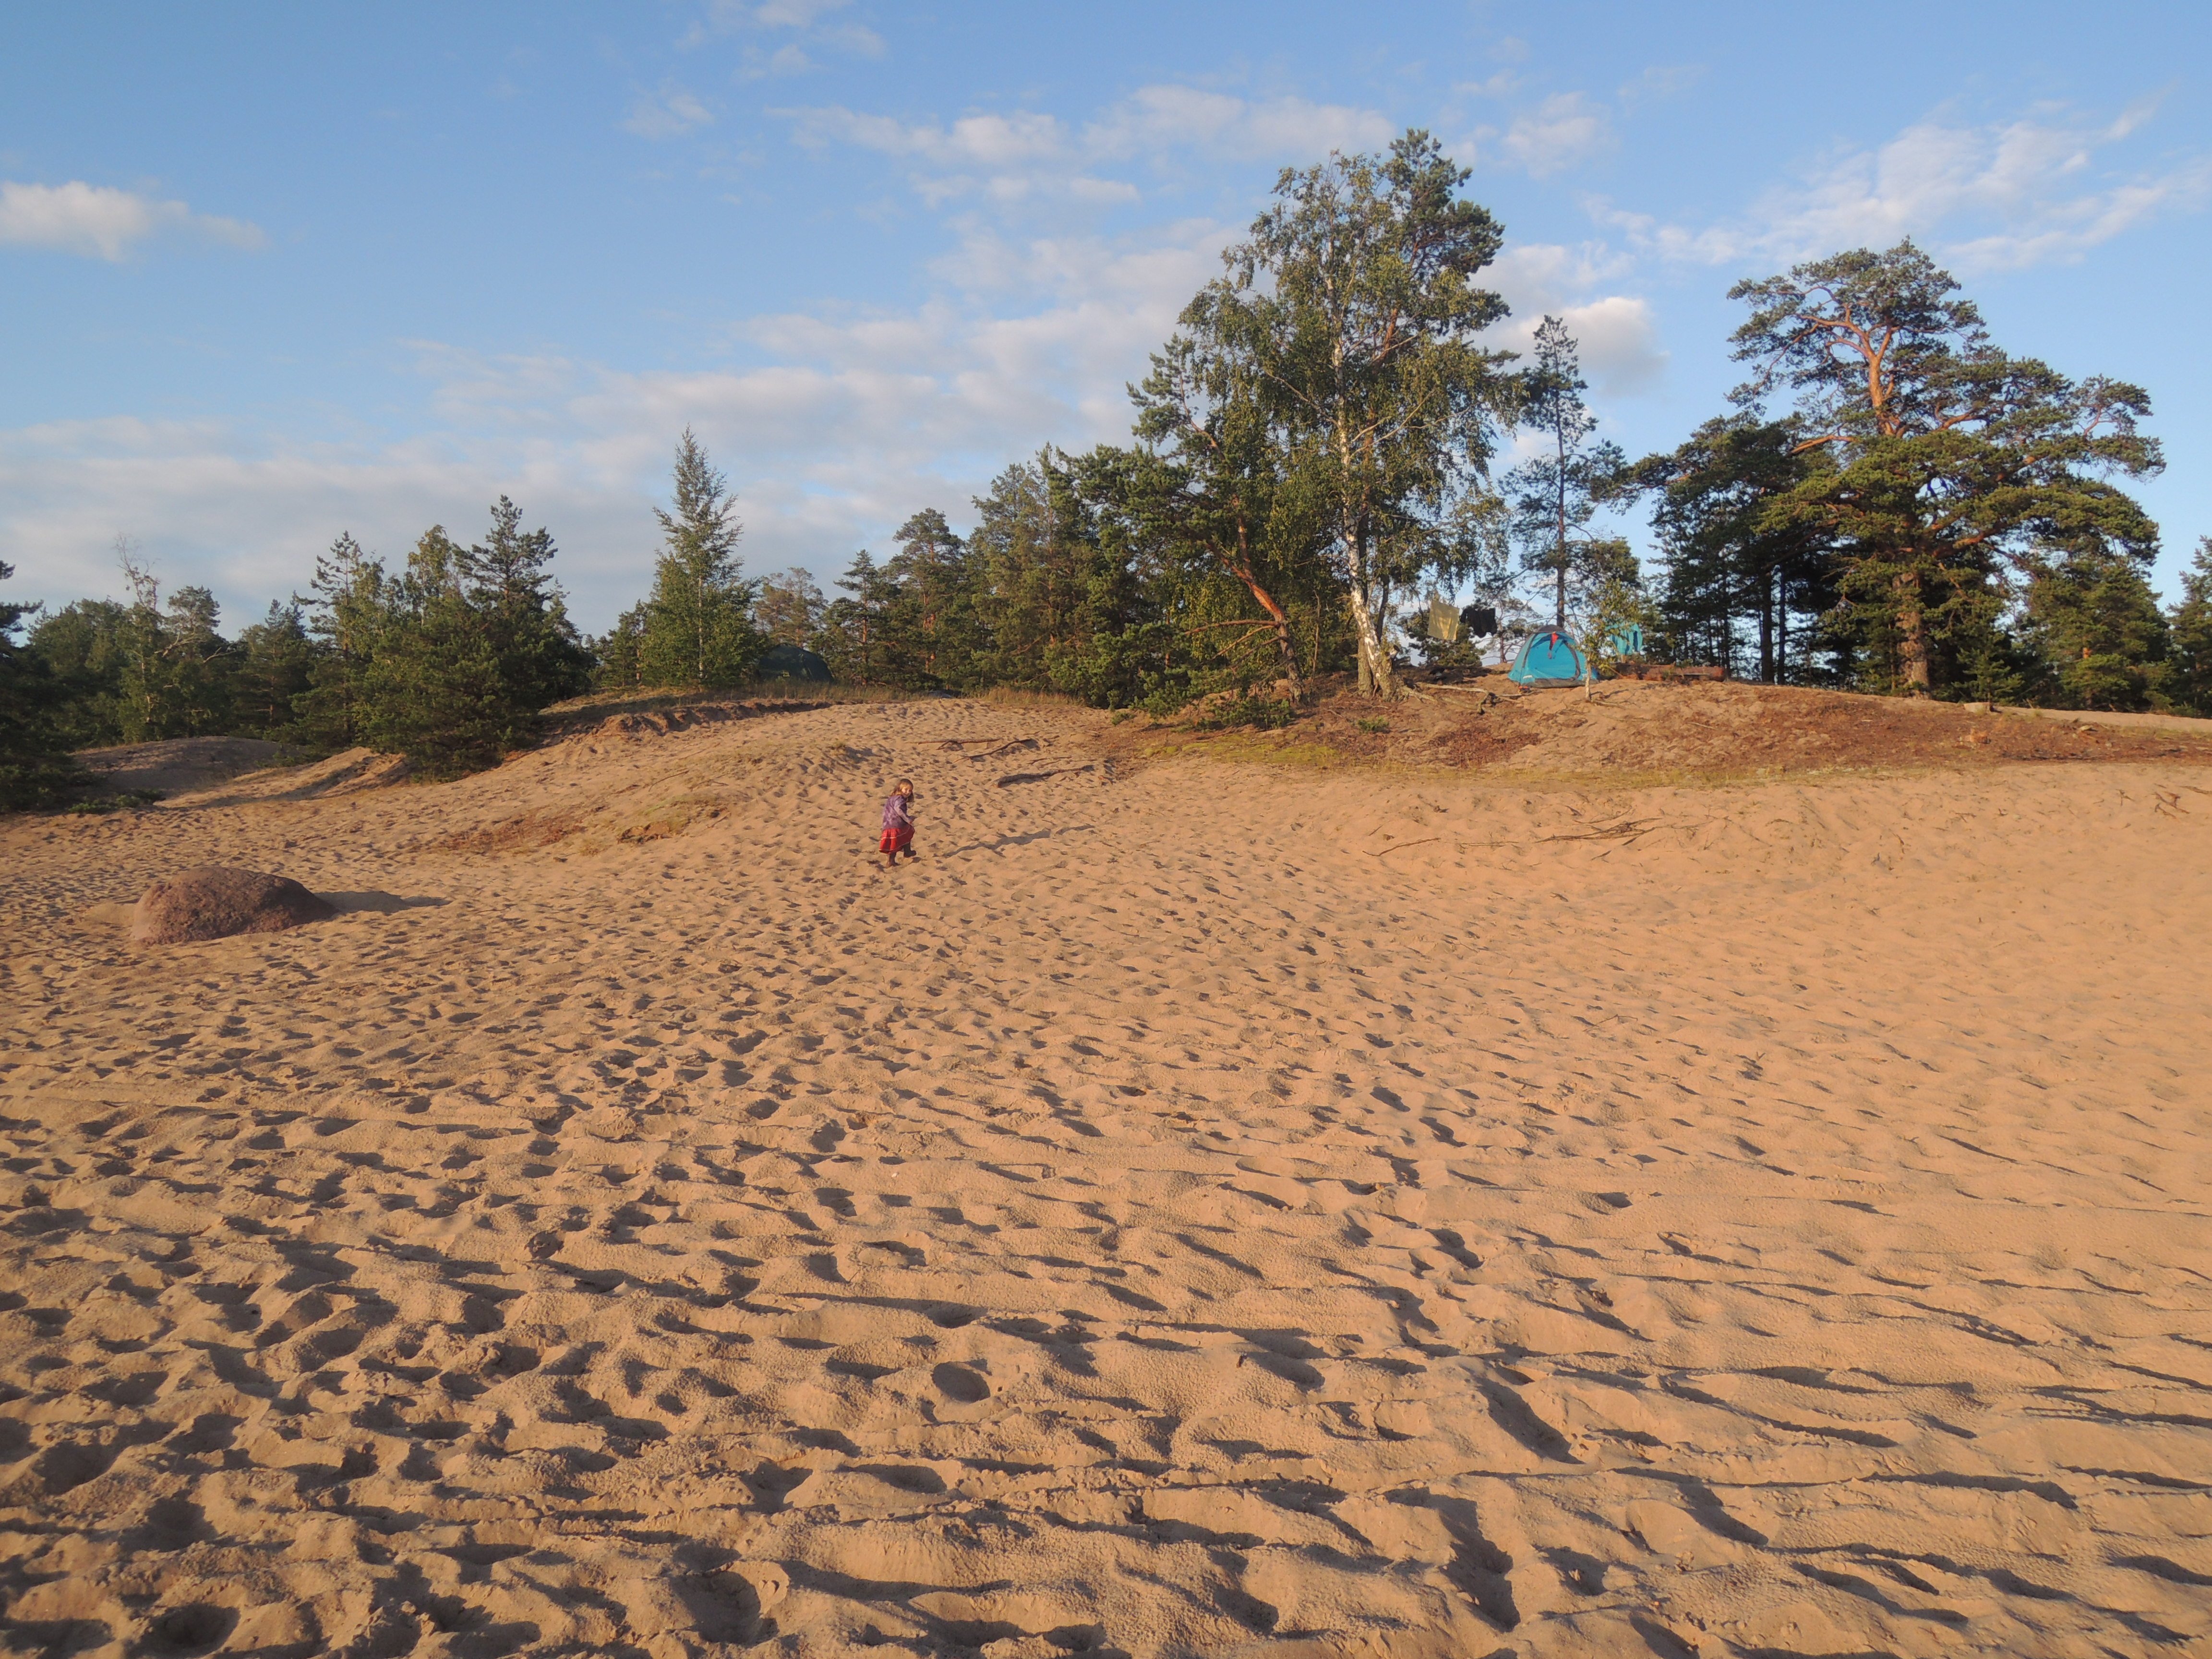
(1551, 657)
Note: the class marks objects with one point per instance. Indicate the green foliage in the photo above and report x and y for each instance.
(931, 636)
(1747, 575)
(100, 805)
(346, 619)
(1609, 598)
(1352, 316)
(79, 649)
(620, 653)
(138, 672)
(698, 627)
(447, 663)
(1263, 714)
(536, 657)
(1550, 498)
(2096, 633)
(274, 667)
(432, 690)
(790, 609)
(35, 769)
(1951, 463)
(2189, 677)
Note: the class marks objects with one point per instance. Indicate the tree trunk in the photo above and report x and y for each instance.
(1374, 672)
(1911, 638)
(1241, 565)
(1766, 631)
(1375, 676)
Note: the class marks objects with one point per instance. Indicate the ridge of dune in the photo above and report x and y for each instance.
(1199, 1209)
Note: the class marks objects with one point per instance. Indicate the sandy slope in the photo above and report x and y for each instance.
(1197, 1209)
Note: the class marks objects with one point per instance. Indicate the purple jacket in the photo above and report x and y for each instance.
(898, 815)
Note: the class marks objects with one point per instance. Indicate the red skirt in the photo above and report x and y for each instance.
(899, 840)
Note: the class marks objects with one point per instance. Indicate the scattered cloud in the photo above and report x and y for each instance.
(803, 18)
(1015, 156)
(1661, 80)
(2000, 195)
(668, 113)
(103, 223)
(1163, 117)
(973, 141)
(1564, 132)
(1617, 332)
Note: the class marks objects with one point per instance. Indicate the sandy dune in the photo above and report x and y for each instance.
(1199, 1209)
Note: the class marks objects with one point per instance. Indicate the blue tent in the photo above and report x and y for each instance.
(1550, 658)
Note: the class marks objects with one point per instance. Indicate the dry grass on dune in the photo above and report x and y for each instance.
(1200, 1209)
(1632, 730)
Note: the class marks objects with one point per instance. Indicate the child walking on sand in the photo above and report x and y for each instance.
(898, 824)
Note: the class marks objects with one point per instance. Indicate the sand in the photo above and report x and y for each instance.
(1200, 1208)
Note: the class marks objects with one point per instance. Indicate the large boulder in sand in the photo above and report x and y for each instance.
(212, 903)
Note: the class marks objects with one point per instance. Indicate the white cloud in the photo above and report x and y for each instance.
(792, 13)
(1026, 155)
(801, 17)
(1159, 118)
(983, 141)
(667, 113)
(101, 221)
(1660, 80)
(1618, 333)
(2000, 196)
(1564, 132)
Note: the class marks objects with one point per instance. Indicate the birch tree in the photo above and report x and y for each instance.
(1355, 297)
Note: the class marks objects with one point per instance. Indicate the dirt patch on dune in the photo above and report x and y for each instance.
(175, 766)
(1639, 729)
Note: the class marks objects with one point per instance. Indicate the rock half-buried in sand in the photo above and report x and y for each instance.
(212, 903)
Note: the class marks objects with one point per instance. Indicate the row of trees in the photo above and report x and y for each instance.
(447, 660)
(1892, 503)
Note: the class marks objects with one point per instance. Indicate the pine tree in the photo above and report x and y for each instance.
(852, 631)
(932, 634)
(79, 647)
(2189, 681)
(432, 690)
(1551, 497)
(524, 615)
(790, 609)
(698, 626)
(200, 666)
(2097, 635)
(1744, 584)
(35, 767)
(347, 616)
(275, 666)
(1950, 461)
(620, 653)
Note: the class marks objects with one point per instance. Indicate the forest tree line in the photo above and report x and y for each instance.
(1890, 503)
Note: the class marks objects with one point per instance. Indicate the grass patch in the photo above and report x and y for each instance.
(1261, 714)
(1014, 696)
(100, 805)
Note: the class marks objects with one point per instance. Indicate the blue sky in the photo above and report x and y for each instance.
(271, 272)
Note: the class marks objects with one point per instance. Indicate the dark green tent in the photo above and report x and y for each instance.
(791, 662)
